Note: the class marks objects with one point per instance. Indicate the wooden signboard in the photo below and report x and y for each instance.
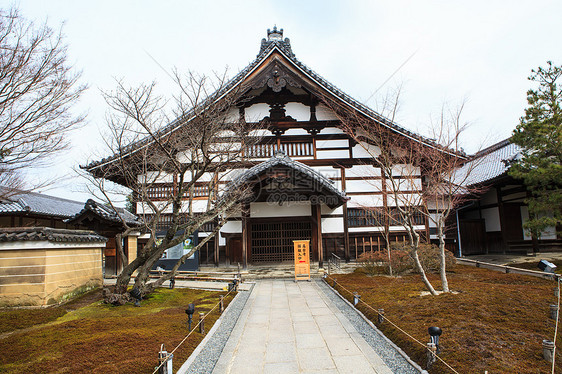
(302, 259)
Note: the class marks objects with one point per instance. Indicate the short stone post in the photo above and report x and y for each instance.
(547, 350)
(356, 298)
(381, 316)
(554, 311)
(165, 363)
(431, 354)
(221, 303)
(201, 322)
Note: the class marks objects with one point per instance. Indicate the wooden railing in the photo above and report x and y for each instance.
(291, 149)
(159, 192)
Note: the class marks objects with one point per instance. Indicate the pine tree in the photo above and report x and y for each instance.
(539, 133)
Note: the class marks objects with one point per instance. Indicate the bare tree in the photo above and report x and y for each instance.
(173, 167)
(37, 90)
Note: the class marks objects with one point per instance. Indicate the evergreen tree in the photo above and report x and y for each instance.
(539, 133)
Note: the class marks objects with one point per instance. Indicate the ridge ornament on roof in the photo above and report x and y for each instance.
(275, 37)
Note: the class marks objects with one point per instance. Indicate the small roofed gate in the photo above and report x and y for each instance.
(273, 241)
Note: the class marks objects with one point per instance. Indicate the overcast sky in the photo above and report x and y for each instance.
(442, 52)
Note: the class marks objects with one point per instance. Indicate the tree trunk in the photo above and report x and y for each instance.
(419, 268)
(387, 242)
(443, 266)
(414, 244)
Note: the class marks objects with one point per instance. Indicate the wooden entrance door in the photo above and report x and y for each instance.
(273, 241)
(473, 236)
(235, 250)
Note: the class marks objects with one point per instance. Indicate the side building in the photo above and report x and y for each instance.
(493, 221)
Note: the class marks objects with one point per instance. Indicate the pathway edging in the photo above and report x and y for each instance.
(238, 303)
(372, 325)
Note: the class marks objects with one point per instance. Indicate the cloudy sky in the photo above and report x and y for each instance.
(441, 52)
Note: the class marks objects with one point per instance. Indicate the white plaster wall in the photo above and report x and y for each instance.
(405, 170)
(155, 177)
(232, 227)
(227, 133)
(298, 111)
(365, 150)
(259, 133)
(433, 219)
(324, 113)
(332, 143)
(144, 208)
(365, 229)
(324, 209)
(362, 171)
(331, 130)
(404, 184)
(363, 185)
(295, 132)
(492, 219)
(360, 201)
(232, 115)
(256, 112)
(288, 209)
(404, 199)
(330, 225)
(322, 155)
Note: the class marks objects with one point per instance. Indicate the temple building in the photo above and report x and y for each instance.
(311, 179)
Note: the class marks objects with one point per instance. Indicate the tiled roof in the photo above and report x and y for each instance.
(488, 164)
(281, 159)
(283, 47)
(32, 202)
(48, 234)
(108, 213)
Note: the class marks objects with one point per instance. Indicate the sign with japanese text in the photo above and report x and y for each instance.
(302, 259)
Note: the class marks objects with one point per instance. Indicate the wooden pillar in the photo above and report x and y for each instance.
(502, 218)
(216, 248)
(345, 226)
(317, 227)
(245, 235)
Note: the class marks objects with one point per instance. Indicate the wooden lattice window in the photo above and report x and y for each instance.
(273, 242)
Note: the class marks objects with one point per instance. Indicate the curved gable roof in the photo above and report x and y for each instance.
(275, 44)
(280, 159)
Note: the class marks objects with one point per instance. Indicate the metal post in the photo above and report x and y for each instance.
(221, 303)
(431, 354)
(201, 323)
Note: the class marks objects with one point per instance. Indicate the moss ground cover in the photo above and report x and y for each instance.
(494, 322)
(101, 338)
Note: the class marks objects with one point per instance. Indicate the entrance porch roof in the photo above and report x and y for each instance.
(303, 179)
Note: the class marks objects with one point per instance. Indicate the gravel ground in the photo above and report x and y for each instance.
(387, 351)
(209, 355)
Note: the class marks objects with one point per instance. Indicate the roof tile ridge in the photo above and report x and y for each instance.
(492, 148)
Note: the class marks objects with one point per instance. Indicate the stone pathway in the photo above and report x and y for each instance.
(289, 327)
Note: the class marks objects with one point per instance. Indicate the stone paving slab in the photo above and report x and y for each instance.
(289, 327)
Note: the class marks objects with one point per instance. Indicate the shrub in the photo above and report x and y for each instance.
(374, 263)
(429, 257)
